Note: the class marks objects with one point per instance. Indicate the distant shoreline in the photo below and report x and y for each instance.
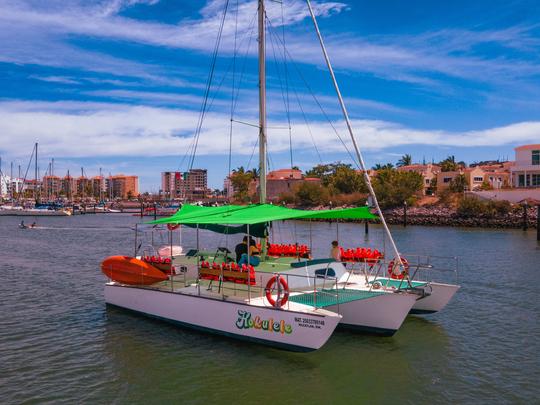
(435, 216)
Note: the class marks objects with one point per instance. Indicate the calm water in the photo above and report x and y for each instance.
(59, 343)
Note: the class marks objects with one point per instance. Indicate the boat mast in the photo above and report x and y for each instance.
(353, 138)
(36, 195)
(262, 105)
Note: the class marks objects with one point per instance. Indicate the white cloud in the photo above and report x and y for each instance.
(34, 33)
(74, 130)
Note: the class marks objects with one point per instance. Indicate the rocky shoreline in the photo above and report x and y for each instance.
(449, 217)
(442, 216)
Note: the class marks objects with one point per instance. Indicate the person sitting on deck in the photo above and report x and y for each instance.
(242, 252)
(335, 252)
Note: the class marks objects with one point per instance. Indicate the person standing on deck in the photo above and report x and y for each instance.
(335, 252)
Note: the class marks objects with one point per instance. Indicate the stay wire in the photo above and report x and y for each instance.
(191, 145)
(286, 83)
(232, 91)
(317, 101)
(208, 85)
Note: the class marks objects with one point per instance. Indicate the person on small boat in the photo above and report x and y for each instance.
(335, 252)
(33, 225)
(241, 251)
(22, 225)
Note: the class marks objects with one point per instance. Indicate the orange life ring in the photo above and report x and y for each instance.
(270, 287)
(401, 275)
(172, 227)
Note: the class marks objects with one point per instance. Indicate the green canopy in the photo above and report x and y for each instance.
(256, 214)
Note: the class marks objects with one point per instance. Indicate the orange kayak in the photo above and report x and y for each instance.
(132, 271)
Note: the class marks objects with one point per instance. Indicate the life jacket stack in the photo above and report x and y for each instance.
(162, 263)
(229, 267)
(362, 255)
(291, 250)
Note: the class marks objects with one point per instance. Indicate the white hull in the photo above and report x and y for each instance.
(438, 295)
(299, 329)
(33, 213)
(383, 314)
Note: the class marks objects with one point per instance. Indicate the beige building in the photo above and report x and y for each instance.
(526, 169)
(428, 172)
(284, 181)
(474, 177)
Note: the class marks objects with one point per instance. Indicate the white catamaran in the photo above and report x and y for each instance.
(286, 302)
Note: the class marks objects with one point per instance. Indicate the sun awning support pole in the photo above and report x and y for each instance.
(136, 233)
(248, 264)
(351, 133)
(310, 238)
(172, 266)
(198, 263)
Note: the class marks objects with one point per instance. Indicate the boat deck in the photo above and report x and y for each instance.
(401, 284)
(328, 297)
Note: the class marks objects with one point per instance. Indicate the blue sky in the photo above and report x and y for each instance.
(119, 84)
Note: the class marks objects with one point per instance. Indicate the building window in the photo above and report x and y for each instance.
(427, 182)
(447, 179)
(535, 180)
(521, 180)
(478, 179)
(536, 157)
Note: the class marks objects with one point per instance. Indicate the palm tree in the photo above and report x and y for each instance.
(379, 166)
(405, 160)
(449, 164)
(240, 170)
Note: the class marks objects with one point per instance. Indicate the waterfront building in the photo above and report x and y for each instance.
(31, 187)
(52, 185)
(122, 186)
(428, 172)
(68, 187)
(98, 186)
(284, 181)
(497, 174)
(526, 170)
(191, 185)
(4, 185)
(474, 177)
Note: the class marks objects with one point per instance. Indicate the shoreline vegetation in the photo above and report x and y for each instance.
(340, 185)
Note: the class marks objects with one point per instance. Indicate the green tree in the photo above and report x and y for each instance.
(393, 187)
(432, 186)
(240, 181)
(486, 185)
(405, 160)
(458, 184)
(449, 164)
(325, 172)
(310, 194)
(380, 166)
(346, 180)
